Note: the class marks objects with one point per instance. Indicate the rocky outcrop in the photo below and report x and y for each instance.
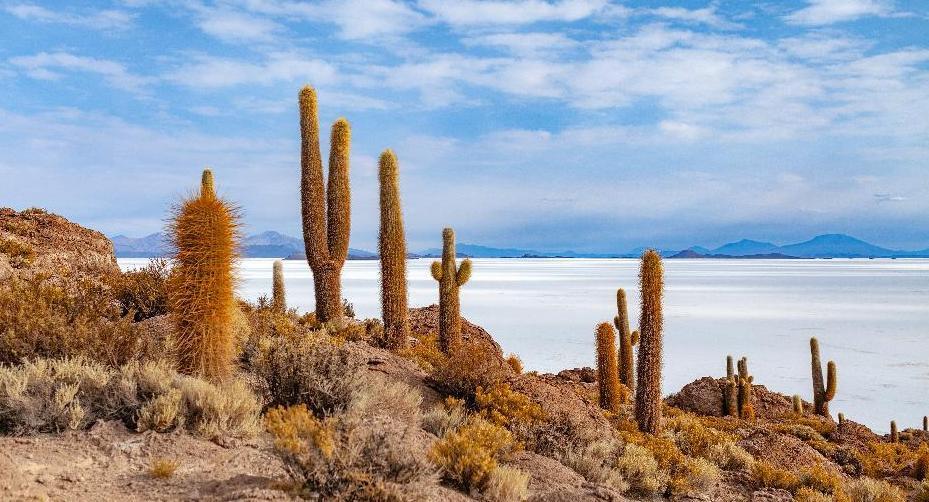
(37, 242)
(425, 320)
(782, 450)
(705, 397)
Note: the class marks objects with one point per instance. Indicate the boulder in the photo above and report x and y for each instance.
(705, 397)
(425, 320)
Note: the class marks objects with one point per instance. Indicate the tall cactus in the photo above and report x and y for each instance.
(607, 370)
(450, 280)
(648, 384)
(627, 340)
(278, 296)
(746, 396)
(326, 211)
(798, 405)
(205, 233)
(392, 246)
(822, 393)
(731, 391)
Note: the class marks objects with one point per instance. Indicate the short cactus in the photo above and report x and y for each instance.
(278, 297)
(798, 405)
(841, 418)
(648, 378)
(450, 280)
(205, 233)
(627, 340)
(326, 211)
(392, 247)
(746, 396)
(822, 393)
(607, 370)
(925, 423)
(894, 435)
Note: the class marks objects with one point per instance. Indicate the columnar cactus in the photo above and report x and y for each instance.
(278, 297)
(731, 391)
(925, 423)
(841, 418)
(392, 246)
(326, 211)
(746, 396)
(648, 378)
(450, 280)
(627, 340)
(798, 405)
(607, 370)
(205, 233)
(822, 393)
(894, 436)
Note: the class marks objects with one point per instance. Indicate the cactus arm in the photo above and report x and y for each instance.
(617, 322)
(207, 186)
(436, 270)
(831, 381)
(635, 337)
(339, 193)
(729, 370)
(464, 272)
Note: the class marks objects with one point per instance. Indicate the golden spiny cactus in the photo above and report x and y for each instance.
(392, 246)
(798, 405)
(607, 370)
(731, 391)
(627, 340)
(205, 232)
(894, 435)
(648, 388)
(326, 212)
(822, 393)
(450, 280)
(746, 396)
(925, 423)
(278, 296)
(841, 418)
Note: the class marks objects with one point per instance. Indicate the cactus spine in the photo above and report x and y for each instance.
(205, 233)
(607, 370)
(746, 397)
(822, 393)
(450, 280)
(627, 340)
(648, 378)
(798, 405)
(731, 391)
(894, 436)
(392, 244)
(326, 212)
(278, 297)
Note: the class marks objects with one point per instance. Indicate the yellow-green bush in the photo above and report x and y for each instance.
(641, 470)
(468, 367)
(824, 480)
(19, 253)
(425, 352)
(503, 406)
(770, 476)
(885, 459)
(866, 489)
(469, 454)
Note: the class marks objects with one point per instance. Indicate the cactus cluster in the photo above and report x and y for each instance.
(737, 391)
(326, 211)
(607, 370)
(392, 248)
(205, 233)
(451, 278)
(822, 392)
(648, 377)
(627, 340)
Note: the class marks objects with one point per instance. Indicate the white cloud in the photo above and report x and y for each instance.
(47, 66)
(706, 15)
(492, 12)
(356, 19)
(214, 72)
(99, 20)
(823, 12)
(233, 26)
(524, 44)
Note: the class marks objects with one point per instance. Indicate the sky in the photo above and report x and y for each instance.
(586, 125)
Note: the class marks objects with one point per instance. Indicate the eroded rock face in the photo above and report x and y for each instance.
(783, 450)
(705, 397)
(37, 242)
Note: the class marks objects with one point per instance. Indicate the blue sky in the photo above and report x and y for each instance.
(567, 124)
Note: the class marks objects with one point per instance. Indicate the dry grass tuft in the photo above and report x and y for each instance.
(516, 364)
(885, 459)
(770, 476)
(469, 454)
(866, 489)
(143, 293)
(506, 407)
(921, 492)
(20, 254)
(639, 468)
(730, 456)
(468, 367)
(507, 484)
(597, 462)
(163, 468)
(445, 417)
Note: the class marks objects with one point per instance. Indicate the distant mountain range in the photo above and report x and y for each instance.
(276, 245)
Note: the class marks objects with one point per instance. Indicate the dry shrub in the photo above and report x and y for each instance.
(767, 475)
(556, 435)
(338, 459)
(507, 484)
(467, 455)
(379, 395)
(597, 462)
(425, 352)
(71, 394)
(694, 438)
(699, 476)
(639, 468)
(468, 367)
(39, 319)
(806, 494)
(20, 254)
(921, 492)
(516, 364)
(143, 293)
(162, 468)
(445, 416)
(730, 456)
(824, 480)
(506, 407)
(866, 489)
(885, 459)
(309, 370)
(921, 467)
